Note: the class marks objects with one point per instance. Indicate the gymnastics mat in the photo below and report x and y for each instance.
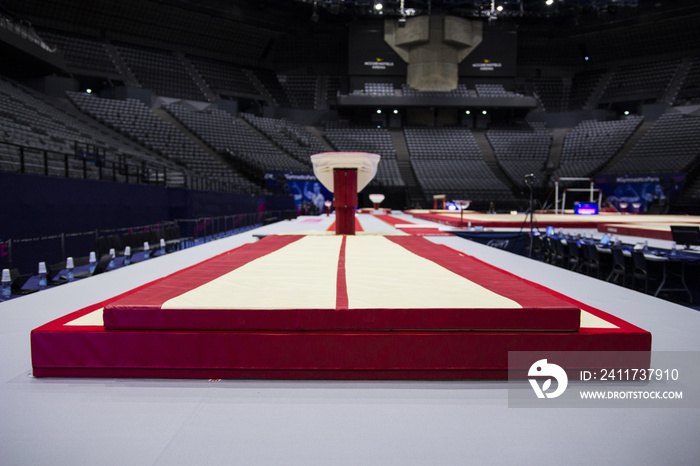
(342, 283)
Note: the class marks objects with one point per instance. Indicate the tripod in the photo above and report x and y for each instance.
(530, 183)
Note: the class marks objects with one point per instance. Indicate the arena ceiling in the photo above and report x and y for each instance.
(274, 33)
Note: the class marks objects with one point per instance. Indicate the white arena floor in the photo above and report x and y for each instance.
(61, 421)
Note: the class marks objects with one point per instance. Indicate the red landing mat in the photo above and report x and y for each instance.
(77, 345)
(411, 228)
(284, 283)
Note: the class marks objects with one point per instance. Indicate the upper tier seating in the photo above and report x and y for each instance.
(689, 92)
(649, 79)
(522, 152)
(81, 52)
(134, 119)
(161, 71)
(34, 120)
(225, 78)
(225, 134)
(591, 144)
(670, 146)
(582, 87)
(291, 137)
(550, 92)
(461, 91)
(301, 90)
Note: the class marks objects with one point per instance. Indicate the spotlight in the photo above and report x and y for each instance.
(89, 91)
(379, 111)
(468, 112)
(549, 2)
(396, 112)
(499, 8)
(378, 6)
(483, 112)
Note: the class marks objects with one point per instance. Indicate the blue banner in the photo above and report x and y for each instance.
(644, 191)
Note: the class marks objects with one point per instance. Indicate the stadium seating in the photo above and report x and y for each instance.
(148, 64)
(522, 152)
(650, 79)
(591, 144)
(82, 52)
(225, 134)
(135, 120)
(289, 136)
(372, 140)
(670, 146)
(50, 132)
(449, 161)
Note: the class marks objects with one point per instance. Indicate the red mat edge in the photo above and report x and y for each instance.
(609, 317)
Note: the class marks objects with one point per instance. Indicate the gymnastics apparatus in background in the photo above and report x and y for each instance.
(345, 174)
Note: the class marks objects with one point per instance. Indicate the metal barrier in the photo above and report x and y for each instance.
(41, 161)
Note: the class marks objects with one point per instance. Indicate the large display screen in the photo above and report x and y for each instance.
(496, 55)
(369, 55)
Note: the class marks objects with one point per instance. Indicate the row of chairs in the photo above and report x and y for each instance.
(584, 257)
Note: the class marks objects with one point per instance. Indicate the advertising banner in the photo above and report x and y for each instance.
(644, 191)
(309, 194)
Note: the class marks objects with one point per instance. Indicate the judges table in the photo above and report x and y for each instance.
(671, 262)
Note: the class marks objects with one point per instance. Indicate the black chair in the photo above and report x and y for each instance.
(575, 258)
(591, 260)
(18, 282)
(619, 268)
(100, 267)
(558, 254)
(53, 277)
(537, 245)
(641, 271)
(548, 250)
